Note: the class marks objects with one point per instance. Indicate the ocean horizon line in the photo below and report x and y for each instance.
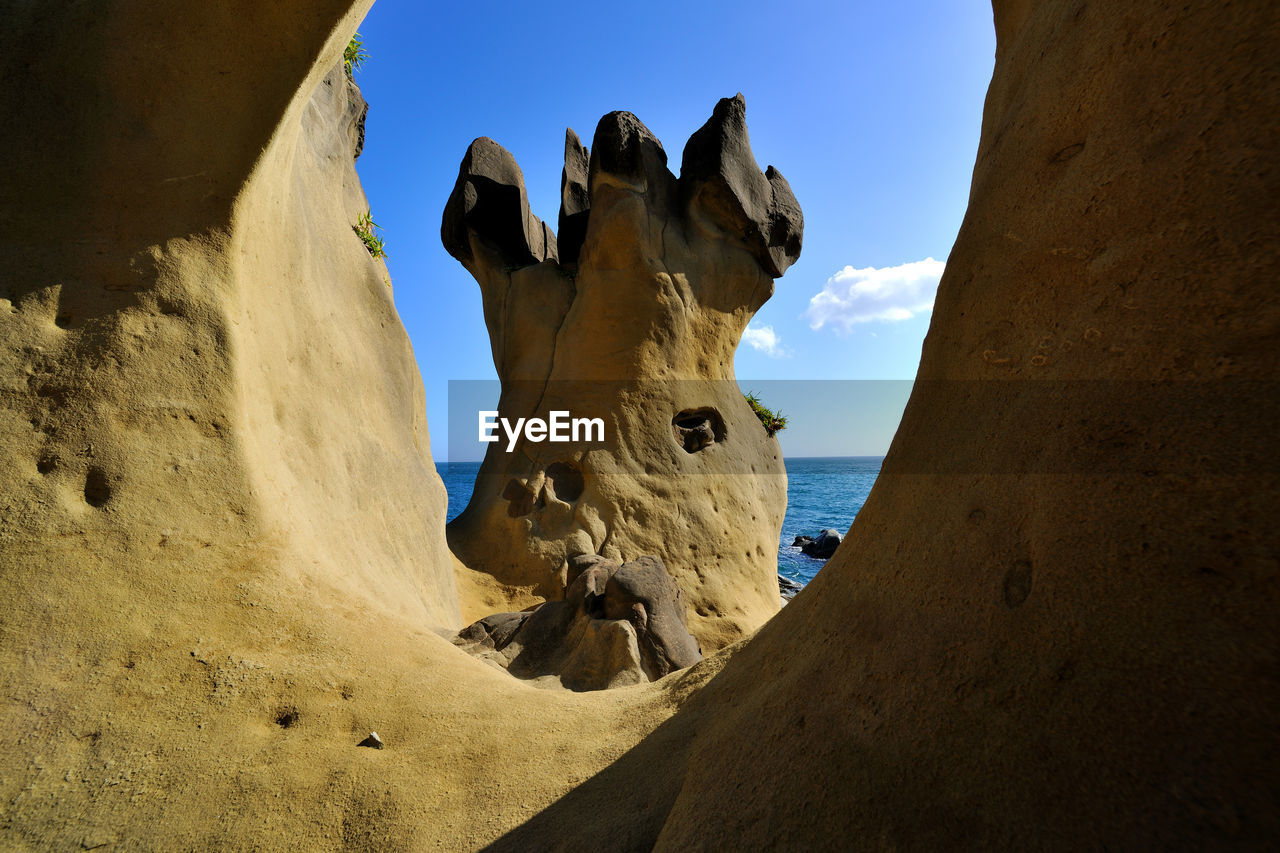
(784, 459)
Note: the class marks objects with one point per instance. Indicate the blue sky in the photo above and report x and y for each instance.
(870, 109)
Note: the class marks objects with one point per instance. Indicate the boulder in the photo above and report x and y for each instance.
(633, 317)
(616, 625)
(643, 594)
(489, 201)
(822, 547)
(788, 588)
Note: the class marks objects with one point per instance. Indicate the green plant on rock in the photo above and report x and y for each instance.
(354, 56)
(365, 228)
(772, 421)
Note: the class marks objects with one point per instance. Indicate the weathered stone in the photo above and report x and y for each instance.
(694, 431)
(637, 327)
(1054, 622)
(722, 182)
(788, 588)
(575, 201)
(489, 202)
(616, 625)
(822, 547)
(626, 154)
(492, 632)
(642, 593)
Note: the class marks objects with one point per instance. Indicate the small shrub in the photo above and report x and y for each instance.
(354, 56)
(364, 228)
(770, 420)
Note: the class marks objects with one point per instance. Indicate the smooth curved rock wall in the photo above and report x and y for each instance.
(1053, 624)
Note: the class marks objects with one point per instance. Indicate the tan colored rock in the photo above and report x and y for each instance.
(222, 555)
(1014, 649)
(480, 594)
(633, 319)
(161, 360)
(1054, 623)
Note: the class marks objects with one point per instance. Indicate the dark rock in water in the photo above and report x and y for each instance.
(616, 625)
(787, 587)
(372, 741)
(822, 547)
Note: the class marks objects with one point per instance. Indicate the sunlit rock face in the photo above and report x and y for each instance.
(632, 316)
(1054, 622)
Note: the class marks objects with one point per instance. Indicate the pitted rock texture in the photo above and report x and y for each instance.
(634, 318)
(1053, 625)
(616, 625)
(218, 582)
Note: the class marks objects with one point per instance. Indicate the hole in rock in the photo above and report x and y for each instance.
(97, 491)
(697, 429)
(46, 464)
(518, 497)
(1017, 584)
(287, 717)
(564, 479)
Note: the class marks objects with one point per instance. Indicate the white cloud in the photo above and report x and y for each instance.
(888, 294)
(766, 340)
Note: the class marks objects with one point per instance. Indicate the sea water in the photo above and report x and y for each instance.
(821, 492)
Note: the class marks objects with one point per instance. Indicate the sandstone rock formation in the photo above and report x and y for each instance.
(1053, 626)
(633, 317)
(617, 625)
(160, 364)
(222, 554)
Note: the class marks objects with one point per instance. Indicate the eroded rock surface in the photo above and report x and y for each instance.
(616, 625)
(633, 317)
(1054, 622)
(1014, 650)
